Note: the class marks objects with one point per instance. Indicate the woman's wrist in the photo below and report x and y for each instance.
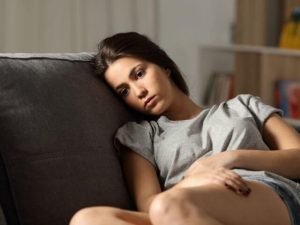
(235, 159)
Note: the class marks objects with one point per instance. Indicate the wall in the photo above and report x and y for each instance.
(185, 25)
(70, 25)
(180, 27)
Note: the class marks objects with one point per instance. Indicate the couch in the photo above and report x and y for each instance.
(57, 120)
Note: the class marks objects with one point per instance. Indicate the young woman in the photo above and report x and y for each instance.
(230, 164)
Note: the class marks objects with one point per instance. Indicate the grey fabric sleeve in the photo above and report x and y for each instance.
(138, 137)
(259, 110)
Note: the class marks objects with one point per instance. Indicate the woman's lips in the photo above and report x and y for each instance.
(150, 102)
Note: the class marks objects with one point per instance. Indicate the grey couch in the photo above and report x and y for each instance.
(57, 120)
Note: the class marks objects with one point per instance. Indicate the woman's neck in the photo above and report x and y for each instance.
(182, 108)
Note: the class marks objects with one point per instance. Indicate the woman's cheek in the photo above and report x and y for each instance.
(135, 105)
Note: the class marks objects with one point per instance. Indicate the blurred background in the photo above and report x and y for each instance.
(179, 27)
(232, 46)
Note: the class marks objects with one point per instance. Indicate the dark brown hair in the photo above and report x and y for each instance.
(133, 44)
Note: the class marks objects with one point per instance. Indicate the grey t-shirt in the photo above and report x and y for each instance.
(172, 146)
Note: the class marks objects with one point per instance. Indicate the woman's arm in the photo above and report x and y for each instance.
(285, 157)
(141, 178)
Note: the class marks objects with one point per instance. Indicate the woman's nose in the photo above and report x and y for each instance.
(139, 91)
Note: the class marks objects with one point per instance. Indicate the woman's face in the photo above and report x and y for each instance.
(144, 86)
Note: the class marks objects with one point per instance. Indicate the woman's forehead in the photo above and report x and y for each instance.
(121, 69)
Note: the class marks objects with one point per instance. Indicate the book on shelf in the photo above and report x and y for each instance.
(287, 97)
(220, 87)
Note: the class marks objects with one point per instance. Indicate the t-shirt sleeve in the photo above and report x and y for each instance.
(259, 110)
(137, 136)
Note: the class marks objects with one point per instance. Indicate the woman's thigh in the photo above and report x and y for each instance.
(262, 206)
(108, 216)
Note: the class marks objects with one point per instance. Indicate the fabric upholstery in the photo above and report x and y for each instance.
(57, 120)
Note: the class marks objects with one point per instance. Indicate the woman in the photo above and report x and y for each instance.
(230, 164)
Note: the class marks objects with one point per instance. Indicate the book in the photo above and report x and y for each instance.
(287, 97)
(220, 87)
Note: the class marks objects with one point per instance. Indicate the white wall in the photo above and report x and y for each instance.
(185, 25)
(179, 26)
(70, 25)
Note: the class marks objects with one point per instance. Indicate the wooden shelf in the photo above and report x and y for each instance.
(256, 68)
(253, 49)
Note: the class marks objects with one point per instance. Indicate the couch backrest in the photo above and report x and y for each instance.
(57, 120)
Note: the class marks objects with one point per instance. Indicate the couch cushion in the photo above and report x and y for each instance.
(57, 120)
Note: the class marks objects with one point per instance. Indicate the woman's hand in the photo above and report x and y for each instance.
(217, 169)
(224, 159)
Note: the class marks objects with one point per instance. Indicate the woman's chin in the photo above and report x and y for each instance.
(155, 111)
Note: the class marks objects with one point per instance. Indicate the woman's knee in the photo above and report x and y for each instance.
(174, 205)
(90, 215)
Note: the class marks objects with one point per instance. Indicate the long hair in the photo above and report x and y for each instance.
(133, 44)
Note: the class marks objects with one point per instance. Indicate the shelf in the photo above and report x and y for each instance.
(253, 49)
(256, 68)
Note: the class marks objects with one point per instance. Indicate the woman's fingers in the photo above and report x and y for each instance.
(237, 187)
(226, 177)
(234, 182)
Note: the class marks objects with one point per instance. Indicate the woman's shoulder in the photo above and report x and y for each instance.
(251, 103)
(137, 126)
(245, 102)
(247, 105)
(239, 102)
(242, 105)
(245, 99)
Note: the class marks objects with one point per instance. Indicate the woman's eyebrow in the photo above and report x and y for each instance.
(131, 73)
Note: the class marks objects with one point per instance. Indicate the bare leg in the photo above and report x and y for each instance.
(216, 205)
(109, 216)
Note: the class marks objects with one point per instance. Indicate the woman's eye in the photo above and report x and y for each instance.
(123, 92)
(140, 74)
